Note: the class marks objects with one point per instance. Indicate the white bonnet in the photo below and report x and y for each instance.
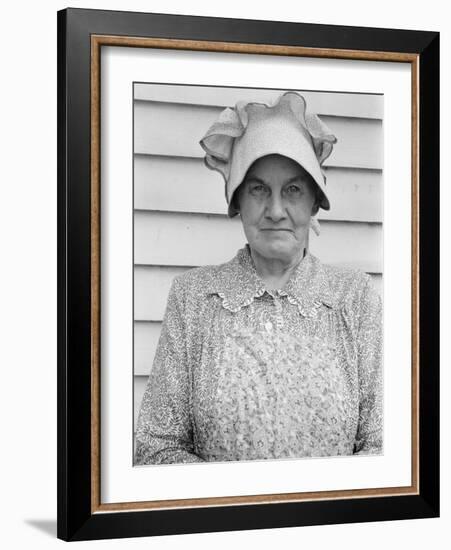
(252, 130)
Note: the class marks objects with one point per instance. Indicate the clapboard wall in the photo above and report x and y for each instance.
(180, 212)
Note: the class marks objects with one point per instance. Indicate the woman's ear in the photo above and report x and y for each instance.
(315, 207)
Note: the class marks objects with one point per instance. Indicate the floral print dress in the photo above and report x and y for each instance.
(243, 372)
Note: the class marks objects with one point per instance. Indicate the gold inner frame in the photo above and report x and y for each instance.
(97, 41)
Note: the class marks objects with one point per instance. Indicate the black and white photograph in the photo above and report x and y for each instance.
(258, 273)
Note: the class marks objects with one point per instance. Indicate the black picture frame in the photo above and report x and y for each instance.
(79, 517)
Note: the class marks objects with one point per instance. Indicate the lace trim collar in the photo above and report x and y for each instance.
(238, 284)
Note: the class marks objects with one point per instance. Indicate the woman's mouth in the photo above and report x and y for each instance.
(276, 229)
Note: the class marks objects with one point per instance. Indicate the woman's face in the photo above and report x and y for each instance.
(276, 201)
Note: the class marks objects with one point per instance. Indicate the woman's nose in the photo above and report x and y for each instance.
(275, 208)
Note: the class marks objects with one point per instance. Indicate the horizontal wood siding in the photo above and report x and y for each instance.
(325, 103)
(175, 130)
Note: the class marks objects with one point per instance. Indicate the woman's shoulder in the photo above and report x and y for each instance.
(346, 275)
(347, 284)
(200, 280)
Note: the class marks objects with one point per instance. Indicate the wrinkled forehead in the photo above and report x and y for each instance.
(276, 168)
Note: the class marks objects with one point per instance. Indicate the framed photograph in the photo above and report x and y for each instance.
(248, 274)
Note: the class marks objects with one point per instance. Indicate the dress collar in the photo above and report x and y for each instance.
(238, 284)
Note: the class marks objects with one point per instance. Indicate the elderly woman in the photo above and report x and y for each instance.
(272, 354)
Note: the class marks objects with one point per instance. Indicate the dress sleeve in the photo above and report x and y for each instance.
(370, 427)
(164, 430)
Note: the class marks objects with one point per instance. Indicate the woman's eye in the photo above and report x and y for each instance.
(293, 189)
(258, 189)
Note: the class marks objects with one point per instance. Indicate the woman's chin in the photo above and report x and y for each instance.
(279, 251)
